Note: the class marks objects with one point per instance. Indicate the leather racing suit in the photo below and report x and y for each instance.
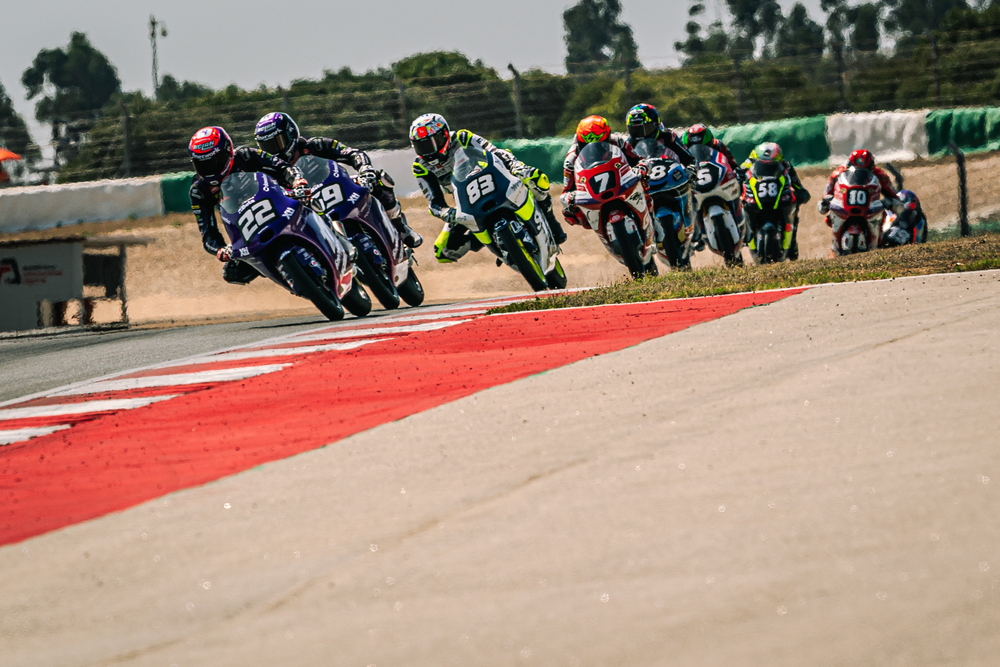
(568, 198)
(456, 238)
(205, 195)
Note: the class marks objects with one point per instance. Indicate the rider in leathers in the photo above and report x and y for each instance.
(769, 151)
(859, 159)
(643, 122)
(435, 146)
(590, 130)
(214, 158)
(277, 133)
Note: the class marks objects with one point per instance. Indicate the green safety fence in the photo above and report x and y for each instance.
(803, 140)
(176, 192)
(973, 130)
(546, 154)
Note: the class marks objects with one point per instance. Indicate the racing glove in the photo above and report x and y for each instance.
(368, 177)
(224, 254)
(300, 189)
(823, 205)
(536, 178)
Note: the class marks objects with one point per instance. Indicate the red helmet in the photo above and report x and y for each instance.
(593, 129)
(211, 151)
(862, 159)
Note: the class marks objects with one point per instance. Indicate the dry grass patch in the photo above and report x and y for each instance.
(969, 254)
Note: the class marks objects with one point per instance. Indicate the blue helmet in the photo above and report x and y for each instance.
(277, 134)
(643, 122)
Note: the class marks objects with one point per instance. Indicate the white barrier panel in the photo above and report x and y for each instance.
(399, 165)
(890, 135)
(47, 206)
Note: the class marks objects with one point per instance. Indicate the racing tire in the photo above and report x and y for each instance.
(378, 281)
(357, 300)
(670, 245)
(410, 290)
(629, 254)
(525, 263)
(311, 288)
(556, 278)
(726, 245)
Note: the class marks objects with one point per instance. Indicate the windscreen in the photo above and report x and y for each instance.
(468, 161)
(648, 148)
(236, 189)
(314, 169)
(767, 169)
(701, 153)
(857, 176)
(599, 153)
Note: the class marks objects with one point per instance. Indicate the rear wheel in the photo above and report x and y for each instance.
(310, 287)
(378, 280)
(410, 290)
(630, 254)
(357, 300)
(524, 262)
(556, 278)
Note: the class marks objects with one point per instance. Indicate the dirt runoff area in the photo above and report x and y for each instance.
(173, 280)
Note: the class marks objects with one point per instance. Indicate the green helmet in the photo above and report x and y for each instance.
(768, 151)
(698, 134)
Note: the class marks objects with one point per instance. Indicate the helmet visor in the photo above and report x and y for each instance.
(214, 165)
(430, 145)
(643, 130)
(276, 144)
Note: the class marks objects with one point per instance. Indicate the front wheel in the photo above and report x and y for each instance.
(556, 278)
(671, 246)
(357, 300)
(630, 254)
(520, 257)
(410, 290)
(310, 287)
(378, 280)
(726, 245)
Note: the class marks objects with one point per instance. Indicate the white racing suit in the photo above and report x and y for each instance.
(456, 239)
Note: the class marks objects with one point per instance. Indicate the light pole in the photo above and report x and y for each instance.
(153, 25)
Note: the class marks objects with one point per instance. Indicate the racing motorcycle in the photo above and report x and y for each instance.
(611, 199)
(383, 263)
(669, 188)
(769, 203)
(717, 204)
(909, 226)
(856, 212)
(505, 217)
(291, 244)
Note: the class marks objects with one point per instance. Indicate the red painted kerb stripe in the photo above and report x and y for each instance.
(120, 460)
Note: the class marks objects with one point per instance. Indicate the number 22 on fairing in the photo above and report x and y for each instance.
(256, 217)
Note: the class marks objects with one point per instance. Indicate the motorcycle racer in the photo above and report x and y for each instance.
(435, 145)
(214, 157)
(770, 151)
(278, 134)
(859, 159)
(643, 122)
(590, 130)
(702, 134)
(910, 225)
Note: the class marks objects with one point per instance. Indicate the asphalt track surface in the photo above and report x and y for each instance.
(802, 483)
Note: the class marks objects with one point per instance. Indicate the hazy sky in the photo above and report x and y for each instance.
(218, 42)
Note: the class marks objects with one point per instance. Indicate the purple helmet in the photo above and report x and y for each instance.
(277, 134)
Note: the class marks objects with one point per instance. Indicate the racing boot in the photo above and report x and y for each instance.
(410, 238)
(697, 238)
(558, 233)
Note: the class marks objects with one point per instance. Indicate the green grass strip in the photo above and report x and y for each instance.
(974, 253)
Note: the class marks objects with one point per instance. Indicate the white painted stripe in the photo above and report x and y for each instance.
(358, 333)
(276, 352)
(226, 375)
(437, 316)
(22, 434)
(60, 409)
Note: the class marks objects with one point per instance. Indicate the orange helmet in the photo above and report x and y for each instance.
(593, 129)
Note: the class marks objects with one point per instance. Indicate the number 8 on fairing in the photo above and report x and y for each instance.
(657, 172)
(479, 187)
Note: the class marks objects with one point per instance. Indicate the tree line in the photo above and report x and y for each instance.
(754, 64)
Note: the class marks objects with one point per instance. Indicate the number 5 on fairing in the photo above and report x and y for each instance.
(255, 217)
